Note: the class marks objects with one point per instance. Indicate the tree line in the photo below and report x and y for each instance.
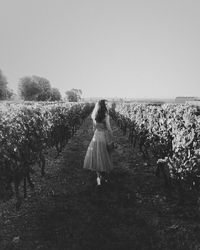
(36, 88)
(5, 92)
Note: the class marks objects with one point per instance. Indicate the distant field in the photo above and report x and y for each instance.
(133, 100)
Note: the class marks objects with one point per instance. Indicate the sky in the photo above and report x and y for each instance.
(107, 48)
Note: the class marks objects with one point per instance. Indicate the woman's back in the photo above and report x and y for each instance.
(98, 157)
(101, 125)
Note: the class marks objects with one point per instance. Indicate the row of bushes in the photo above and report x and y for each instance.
(26, 132)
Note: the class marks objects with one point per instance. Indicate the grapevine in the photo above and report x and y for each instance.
(27, 131)
(170, 134)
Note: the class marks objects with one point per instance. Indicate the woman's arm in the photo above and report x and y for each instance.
(94, 125)
(107, 119)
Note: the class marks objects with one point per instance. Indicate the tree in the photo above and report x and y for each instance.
(45, 88)
(55, 95)
(34, 88)
(73, 95)
(3, 86)
(9, 93)
(28, 88)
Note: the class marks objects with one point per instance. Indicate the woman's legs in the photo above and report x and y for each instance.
(105, 176)
(98, 178)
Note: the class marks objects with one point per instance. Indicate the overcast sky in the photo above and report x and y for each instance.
(125, 48)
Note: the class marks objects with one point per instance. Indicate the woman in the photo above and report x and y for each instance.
(98, 157)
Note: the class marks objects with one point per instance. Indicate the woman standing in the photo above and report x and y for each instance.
(98, 157)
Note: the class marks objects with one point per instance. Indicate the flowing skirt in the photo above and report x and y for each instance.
(97, 157)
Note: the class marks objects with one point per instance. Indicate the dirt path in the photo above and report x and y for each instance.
(67, 211)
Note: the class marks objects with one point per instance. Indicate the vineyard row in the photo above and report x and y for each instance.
(168, 135)
(27, 131)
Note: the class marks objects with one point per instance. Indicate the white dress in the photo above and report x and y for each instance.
(97, 157)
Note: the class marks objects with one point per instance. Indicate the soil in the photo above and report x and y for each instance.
(67, 210)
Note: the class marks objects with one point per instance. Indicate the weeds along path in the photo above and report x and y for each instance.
(67, 211)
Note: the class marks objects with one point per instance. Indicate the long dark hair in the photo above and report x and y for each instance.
(100, 111)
